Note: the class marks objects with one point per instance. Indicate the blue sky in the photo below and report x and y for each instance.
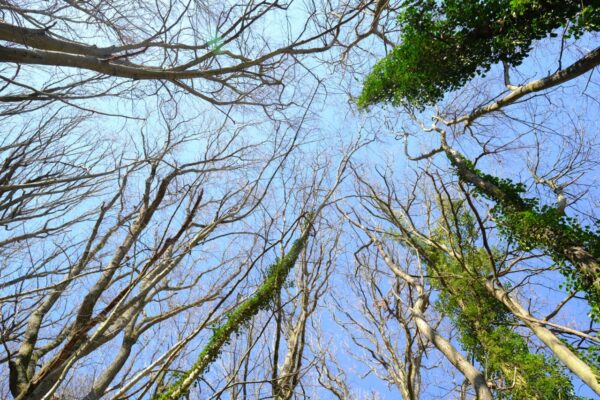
(333, 123)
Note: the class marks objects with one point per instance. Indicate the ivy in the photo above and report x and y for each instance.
(444, 44)
(239, 317)
(535, 226)
(485, 325)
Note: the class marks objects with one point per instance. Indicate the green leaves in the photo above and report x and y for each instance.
(486, 327)
(534, 226)
(445, 44)
(236, 320)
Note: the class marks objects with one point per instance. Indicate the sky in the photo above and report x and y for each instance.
(334, 123)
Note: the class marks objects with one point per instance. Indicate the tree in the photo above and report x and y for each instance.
(144, 140)
(190, 207)
(224, 53)
(472, 296)
(446, 44)
(449, 46)
(131, 282)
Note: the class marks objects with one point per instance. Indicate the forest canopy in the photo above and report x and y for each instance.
(299, 199)
(445, 44)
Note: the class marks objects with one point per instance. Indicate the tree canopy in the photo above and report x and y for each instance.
(444, 44)
(194, 206)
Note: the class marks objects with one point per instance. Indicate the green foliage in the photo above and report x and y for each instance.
(535, 226)
(242, 315)
(484, 324)
(444, 44)
(535, 376)
(590, 355)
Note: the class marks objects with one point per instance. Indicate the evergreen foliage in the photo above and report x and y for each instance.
(485, 326)
(444, 44)
(238, 318)
(532, 225)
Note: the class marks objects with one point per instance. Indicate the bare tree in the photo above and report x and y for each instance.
(428, 239)
(226, 53)
(135, 253)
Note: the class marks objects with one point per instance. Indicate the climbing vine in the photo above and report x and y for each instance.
(444, 44)
(533, 225)
(486, 327)
(236, 319)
